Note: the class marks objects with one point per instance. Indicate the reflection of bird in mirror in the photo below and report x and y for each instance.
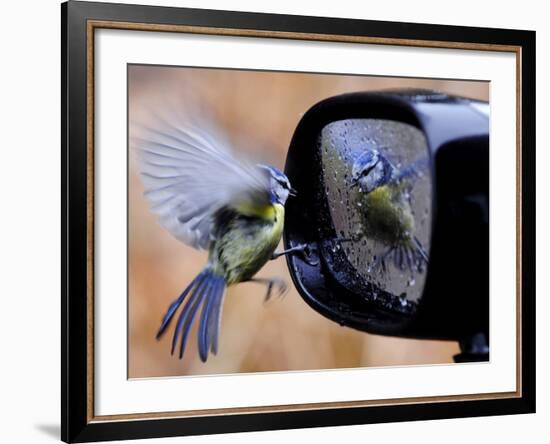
(210, 199)
(386, 208)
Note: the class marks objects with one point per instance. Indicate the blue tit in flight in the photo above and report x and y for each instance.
(387, 215)
(210, 199)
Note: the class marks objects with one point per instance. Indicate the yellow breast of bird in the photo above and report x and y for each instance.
(388, 216)
(279, 220)
(249, 242)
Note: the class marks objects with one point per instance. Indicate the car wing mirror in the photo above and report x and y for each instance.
(393, 205)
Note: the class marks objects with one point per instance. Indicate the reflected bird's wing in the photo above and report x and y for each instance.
(189, 172)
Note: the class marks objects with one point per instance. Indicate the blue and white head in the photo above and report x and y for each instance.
(279, 184)
(371, 170)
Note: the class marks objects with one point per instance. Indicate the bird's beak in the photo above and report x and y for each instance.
(354, 182)
(292, 192)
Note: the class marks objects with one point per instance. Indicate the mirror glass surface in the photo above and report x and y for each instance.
(377, 182)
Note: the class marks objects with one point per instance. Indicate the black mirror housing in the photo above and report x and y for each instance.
(454, 302)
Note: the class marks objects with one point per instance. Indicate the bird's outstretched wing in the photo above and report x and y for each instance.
(189, 172)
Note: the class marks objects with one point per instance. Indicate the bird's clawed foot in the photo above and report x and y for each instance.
(305, 251)
(298, 249)
(279, 284)
(271, 283)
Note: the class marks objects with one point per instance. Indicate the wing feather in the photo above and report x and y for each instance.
(189, 172)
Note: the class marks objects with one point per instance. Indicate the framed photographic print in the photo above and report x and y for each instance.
(277, 221)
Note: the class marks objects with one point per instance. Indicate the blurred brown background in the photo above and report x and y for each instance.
(259, 111)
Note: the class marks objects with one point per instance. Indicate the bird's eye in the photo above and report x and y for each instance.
(368, 169)
(285, 185)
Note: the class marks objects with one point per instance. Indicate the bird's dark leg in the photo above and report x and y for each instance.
(270, 283)
(297, 249)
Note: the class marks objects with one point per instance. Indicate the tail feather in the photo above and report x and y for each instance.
(175, 305)
(214, 329)
(420, 249)
(206, 290)
(210, 312)
(187, 315)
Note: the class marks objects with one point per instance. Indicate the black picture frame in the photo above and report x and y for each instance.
(77, 421)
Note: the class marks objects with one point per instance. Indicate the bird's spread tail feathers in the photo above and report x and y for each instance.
(206, 290)
(411, 257)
